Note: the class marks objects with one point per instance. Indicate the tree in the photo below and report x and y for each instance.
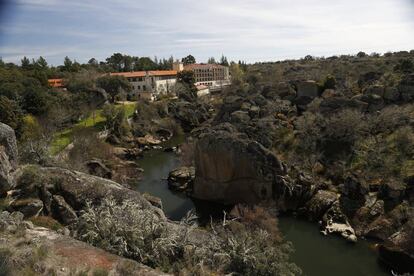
(116, 120)
(93, 62)
(41, 63)
(211, 60)
(308, 58)
(10, 113)
(113, 85)
(11, 90)
(187, 79)
(223, 61)
(36, 101)
(115, 61)
(67, 64)
(361, 54)
(236, 73)
(144, 64)
(76, 67)
(26, 63)
(188, 60)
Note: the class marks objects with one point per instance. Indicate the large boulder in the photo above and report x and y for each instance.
(391, 94)
(233, 169)
(281, 90)
(29, 207)
(6, 168)
(398, 250)
(392, 192)
(75, 188)
(339, 103)
(181, 179)
(320, 203)
(189, 114)
(98, 168)
(42, 251)
(62, 211)
(8, 141)
(308, 89)
(8, 157)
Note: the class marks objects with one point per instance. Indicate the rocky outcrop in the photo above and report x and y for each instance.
(8, 141)
(29, 207)
(398, 250)
(98, 168)
(324, 207)
(8, 157)
(35, 250)
(77, 188)
(62, 211)
(189, 114)
(233, 169)
(329, 105)
(64, 193)
(320, 204)
(306, 92)
(307, 89)
(6, 169)
(181, 179)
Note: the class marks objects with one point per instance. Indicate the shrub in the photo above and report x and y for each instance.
(116, 121)
(334, 136)
(100, 272)
(128, 230)
(131, 231)
(329, 82)
(10, 113)
(87, 146)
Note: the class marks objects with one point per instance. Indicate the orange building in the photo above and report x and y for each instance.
(56, 83)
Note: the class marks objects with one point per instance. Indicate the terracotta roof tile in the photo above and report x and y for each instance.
(202, 66)
(144, 73)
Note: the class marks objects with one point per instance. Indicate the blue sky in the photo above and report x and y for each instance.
(251, 30)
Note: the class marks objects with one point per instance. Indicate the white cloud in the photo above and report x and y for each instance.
(242, 29)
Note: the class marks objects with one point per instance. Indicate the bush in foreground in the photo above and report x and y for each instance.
(131, 231)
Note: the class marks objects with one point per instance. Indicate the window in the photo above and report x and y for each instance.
(139, 87)
(144, 87)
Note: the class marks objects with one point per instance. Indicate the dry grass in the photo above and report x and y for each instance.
(46, 222)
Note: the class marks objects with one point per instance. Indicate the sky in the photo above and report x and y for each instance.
(250, 30)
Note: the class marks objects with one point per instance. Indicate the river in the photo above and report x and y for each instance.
(317, 255)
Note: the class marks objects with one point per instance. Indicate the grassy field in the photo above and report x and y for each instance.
(63, 138)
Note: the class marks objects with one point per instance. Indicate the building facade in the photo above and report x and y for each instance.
(56, 83)
(149, 84)
(214, 76)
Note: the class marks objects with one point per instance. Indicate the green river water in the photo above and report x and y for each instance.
(317, 255)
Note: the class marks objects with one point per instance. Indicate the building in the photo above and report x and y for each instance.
(149, 84)
(55, 83)
(214, 76)
(202, 90)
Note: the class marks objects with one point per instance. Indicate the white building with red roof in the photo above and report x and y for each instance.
(149, 84)
(214, 76)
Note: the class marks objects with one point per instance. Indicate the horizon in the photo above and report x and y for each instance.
(251, 31)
